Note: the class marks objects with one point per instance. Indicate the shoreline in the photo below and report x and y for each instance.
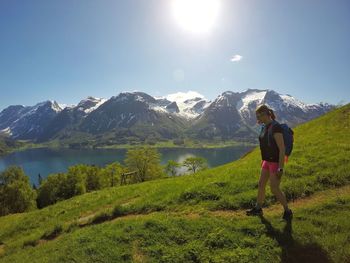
(203, 145)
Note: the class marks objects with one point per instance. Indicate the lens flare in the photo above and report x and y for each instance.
(197, 16)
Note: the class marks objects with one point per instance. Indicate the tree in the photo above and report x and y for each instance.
(146, 162)
(171, 167)
(56, 187)
(16, 193)
(93, 179)
(40, 179)
(195, 163)
(76, 180)
(110, 175)
(52, 190)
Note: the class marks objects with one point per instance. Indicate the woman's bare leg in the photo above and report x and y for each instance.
(264, 177)
(275, 189)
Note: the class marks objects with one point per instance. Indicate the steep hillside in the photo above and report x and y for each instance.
(199, 218)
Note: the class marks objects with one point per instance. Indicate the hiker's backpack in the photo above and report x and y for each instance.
(288, 137)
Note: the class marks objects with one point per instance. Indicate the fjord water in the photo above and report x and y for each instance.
(47, 161)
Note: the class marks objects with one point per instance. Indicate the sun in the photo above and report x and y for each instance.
(197, 16)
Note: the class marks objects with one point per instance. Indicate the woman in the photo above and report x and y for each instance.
(273, 154)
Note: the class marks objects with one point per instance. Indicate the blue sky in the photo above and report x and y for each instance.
(68, 50)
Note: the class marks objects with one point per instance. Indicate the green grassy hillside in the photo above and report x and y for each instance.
(199, 218)
(7, 145)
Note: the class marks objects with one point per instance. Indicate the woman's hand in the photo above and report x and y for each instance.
(279, 174)
(281, 147)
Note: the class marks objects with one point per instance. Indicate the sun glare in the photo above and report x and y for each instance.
(197, 16)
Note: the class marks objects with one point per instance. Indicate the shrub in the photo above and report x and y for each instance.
(195, 164)
(16, 193)
(146, 162)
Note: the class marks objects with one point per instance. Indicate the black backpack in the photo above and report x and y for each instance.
(288, 137)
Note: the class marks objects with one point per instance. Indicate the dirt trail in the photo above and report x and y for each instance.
(273, 210)
(86, 217)
(309, 201)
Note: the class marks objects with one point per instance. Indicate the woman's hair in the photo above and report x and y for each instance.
(267, 110)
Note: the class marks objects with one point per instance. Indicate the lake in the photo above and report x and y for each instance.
(47, 161)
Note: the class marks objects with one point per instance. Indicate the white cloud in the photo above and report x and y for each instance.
(236, 58)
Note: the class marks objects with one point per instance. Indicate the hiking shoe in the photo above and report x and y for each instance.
(288, 214)
(254, 212)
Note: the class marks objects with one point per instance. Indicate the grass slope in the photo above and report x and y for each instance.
(7, 145)
(199, 218)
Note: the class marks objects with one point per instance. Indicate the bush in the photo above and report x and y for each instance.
(171, 167)
(53, 189)
(78, 180)
(111, 174)
(16, 193)
(195, 164)
(146, 162)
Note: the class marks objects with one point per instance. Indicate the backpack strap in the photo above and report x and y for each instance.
(262, 131)
(269, 132)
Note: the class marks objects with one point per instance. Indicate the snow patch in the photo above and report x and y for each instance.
(100, 101)
(291, 101)
(55, 106)
(6, 131)
(185, 102)
(256, 96)
(139, 98)
(157, 108)
(63, 106)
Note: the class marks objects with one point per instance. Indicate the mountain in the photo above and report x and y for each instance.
(22, 122)
(190, 105)
(232, 114)
(137, 116)
(69, 117)
(287, 108)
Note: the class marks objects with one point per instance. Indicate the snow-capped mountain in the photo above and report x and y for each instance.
(70, 116)
(21, 122)
(140, 115)
(232, 114)
(133, 109)
(287, 108)
(128, 108)
(190, 104)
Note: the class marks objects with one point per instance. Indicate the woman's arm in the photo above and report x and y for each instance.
(280, 144)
